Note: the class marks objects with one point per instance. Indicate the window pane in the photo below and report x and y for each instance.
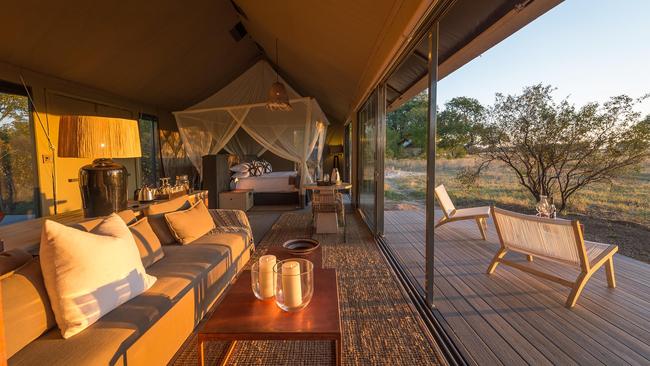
(17, 178)
(148, 161)
(368, 159)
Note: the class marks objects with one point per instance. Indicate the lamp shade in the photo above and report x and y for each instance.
(336, 149)
(98, 137)
(278, 98)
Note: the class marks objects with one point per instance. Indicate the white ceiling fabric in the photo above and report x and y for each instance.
(207, 127)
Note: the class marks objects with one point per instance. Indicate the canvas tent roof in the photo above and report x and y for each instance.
(208, 126)
(171, 55)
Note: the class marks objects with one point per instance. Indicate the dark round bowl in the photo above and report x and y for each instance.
(301, 246)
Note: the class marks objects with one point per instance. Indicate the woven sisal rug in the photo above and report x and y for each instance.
(379, 325)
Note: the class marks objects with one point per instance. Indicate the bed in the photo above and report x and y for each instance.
(275, 188)
(270, 182)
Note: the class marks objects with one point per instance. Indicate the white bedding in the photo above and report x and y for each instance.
(270, 182)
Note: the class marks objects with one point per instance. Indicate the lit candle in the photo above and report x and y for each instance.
(266, 263)
(291, 285)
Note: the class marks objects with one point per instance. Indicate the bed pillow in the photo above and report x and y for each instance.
(267, 166)
(245, 174)
(256, 169)
(243, 167)
(88, 274)
(189, 225)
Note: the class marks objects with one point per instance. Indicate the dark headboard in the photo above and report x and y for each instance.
(278, 163)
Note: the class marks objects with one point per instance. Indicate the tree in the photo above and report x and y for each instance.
(558, 149)
(16, 152)
(408, 122)
(459, 125)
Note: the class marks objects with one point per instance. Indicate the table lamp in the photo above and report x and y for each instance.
(103, 183)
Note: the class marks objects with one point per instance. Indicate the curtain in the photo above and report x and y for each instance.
(244, 146)
(211, 125)
(207, 132)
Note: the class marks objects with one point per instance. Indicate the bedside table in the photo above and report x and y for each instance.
(238, 199)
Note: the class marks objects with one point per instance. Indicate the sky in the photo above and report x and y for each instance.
(589, 50)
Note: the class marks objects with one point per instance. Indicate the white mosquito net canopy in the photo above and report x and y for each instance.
(211, 125)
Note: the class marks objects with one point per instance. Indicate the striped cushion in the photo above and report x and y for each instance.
(232, 221)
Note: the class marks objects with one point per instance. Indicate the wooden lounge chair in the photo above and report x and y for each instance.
(554, 239)
(479, 214)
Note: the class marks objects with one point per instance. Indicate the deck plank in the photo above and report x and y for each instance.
(519, 316)
(551, 297)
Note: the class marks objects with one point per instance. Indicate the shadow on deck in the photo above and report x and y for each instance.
(511, 317)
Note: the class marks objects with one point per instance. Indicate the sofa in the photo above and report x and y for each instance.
(148, 329)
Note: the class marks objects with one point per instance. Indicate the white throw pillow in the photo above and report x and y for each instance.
(243, 167)
(245, 174)
(88, 274)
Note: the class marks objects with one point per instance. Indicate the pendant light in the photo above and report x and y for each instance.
(278, 97)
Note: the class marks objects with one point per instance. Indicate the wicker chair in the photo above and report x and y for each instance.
(554, 239)
(328, 201)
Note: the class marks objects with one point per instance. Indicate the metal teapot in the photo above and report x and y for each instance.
(145, 194)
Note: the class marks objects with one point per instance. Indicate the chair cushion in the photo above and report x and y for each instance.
(190, 277)
(88, 274)
(148, 243)
(156, 214)
(26, 307)
(189, 225)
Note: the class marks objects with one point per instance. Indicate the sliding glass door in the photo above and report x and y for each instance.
(368, 163)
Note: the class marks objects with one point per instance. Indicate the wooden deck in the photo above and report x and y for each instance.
(513, 318)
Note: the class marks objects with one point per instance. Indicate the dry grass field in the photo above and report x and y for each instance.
(617, 213)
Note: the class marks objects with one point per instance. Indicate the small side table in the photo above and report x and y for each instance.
(238, 199)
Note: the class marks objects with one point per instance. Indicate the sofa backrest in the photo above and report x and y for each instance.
(25, 305)
(127, 215)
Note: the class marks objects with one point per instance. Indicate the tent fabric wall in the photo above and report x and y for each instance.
(57, 188)
(209, 126)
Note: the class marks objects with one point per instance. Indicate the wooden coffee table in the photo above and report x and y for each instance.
(241, 316)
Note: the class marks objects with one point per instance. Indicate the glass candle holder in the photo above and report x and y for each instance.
(294, 283)
(263, 277)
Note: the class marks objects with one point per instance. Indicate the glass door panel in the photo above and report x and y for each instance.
(368, 124)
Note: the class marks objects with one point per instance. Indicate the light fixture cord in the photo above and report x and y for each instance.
(277, 65)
